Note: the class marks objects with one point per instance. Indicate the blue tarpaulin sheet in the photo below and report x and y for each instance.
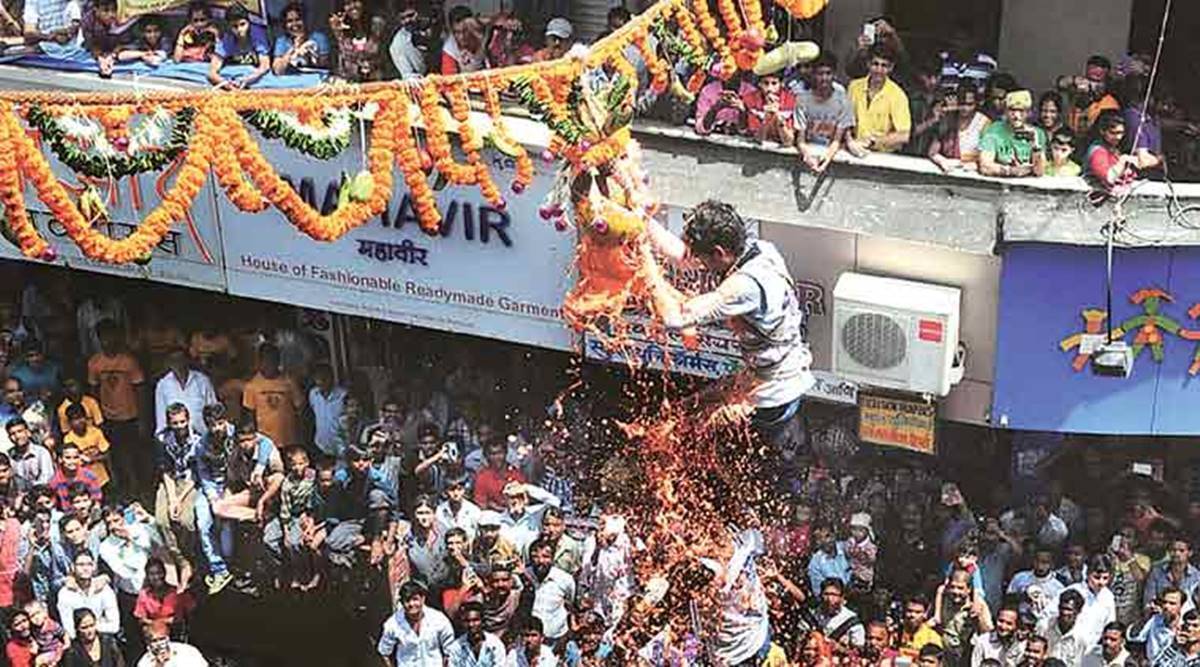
(191, 72)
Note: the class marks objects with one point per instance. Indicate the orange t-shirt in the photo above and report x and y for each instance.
(117, 376)
(276, 403)
(90, 406)
(92, 444)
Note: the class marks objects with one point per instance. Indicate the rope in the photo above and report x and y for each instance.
(1162, 37)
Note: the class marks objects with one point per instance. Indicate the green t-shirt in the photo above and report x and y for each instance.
(1010, 150)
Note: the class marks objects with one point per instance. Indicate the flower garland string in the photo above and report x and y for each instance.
(409, 157)
(491, 101)
(472, 143)
(439, 141)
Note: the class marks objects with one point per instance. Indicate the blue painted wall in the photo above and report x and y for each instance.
(1043, 290)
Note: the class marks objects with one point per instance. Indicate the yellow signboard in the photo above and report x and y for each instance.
(127, 10)
(897, 423)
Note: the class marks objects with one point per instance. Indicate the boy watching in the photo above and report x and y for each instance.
(151, 47)
(198, 38)
(89, 439)
(242, 44)
(1062, 146)
(98, 36)
(73, 395)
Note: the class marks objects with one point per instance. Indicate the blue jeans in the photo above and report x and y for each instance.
(215, 550)
(772, 424)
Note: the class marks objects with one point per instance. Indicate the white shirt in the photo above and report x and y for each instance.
(327, 410)
(1099, 609)
(847, 621)
(467, 517)
(491, 652)
(407, 58)
(550, 601)
(100, 599)
(182, 655)
(545, 658)
(409, 648)
(127, 560)
(1095, 658)
(989, 647)
(1068, 647)
(195, 394)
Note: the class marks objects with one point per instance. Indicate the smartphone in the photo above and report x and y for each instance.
(869, 32)
(1115, 545)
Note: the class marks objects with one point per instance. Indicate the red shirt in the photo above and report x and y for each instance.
(60, 484)
(489, 486)
(170, 608)
(20, 652)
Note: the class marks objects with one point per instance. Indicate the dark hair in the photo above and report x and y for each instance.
(551, 511)
(1099, 61)
(356, 453)
(469, 607)
(619, 12)
(75, 411)
(989, 662)
(105, 3)
(1173, 590)
(112, 510)
(293, 450)
(80, 614)
(918, 598)
(297, 7)
(214, 411)
(1052, 96)
(65, 446)
(155, 561)
(66, 519)
(76, 489)
(456, 531)
(1107, 120)
(712, 224)
(826, 59)
(5, 462)
(539, 544)
(532, 624)
(932, 650)
(197, 6)
(1003, 80)
(833, 582)
(424, 500)
(176, 408)
(1115, 625)
(1009, 607)
(428, 429)
(1072, 596)
(1039, 639)
(247, 424)
(459, 13)
(1064, 135)
(267, 351)
(883, 52)
(411, 588)
(1100, 564)
(236, 12)
(14, 422)
(1192, 616)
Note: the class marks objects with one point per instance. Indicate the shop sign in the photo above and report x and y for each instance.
(897, 422)
(189, 254)
(489, 271)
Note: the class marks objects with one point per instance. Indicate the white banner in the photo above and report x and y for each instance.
(189, 255)
(493, 273)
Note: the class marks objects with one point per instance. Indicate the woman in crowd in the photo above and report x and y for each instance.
(198, 37)
(90, 648)
(464, 50)
(1108, 161)
(298, 47)
(1050, 112)
(160, 602)
(359, 40)
(957, 145)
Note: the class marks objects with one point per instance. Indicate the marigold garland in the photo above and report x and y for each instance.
(439, 141)
(422, 197)
(120, 163)
(221, 142)
(491, 101)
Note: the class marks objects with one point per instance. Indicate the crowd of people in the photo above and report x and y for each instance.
(155, 458)
(956, 107)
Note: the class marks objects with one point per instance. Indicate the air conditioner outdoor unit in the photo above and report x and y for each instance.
(896, 334)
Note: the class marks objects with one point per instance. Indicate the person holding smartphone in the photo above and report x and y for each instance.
(1013, 148)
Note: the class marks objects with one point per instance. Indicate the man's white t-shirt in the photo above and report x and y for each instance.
(182, 655)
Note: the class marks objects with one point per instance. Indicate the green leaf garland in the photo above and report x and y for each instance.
(272, 125)
(114, 166)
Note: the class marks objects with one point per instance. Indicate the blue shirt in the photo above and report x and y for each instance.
(1160, 578)
(822, 566)
(1156, 635)
(284, 43)
(233, 52)
(36, 380)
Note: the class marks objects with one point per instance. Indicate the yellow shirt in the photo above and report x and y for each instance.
(91, 407)
(276, 403)
(924, 635)
(887, 112)
(776, 657)
(92, 445)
